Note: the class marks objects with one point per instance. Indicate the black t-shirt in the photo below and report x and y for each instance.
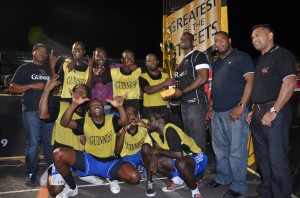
(187, 73)
(173, 140)
(30, 73)
(271, 69)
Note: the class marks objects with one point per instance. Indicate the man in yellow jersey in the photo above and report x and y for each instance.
(98, 157)
(152, 83)
(126, 80)
(175, 155)
(74, 71)
(130, 141)
(51, 178)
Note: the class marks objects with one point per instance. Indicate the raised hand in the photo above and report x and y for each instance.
(91, 60)
(117, 101)
(53, 60)
(53, 82)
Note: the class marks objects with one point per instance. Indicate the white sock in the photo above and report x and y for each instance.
(196, 191)
(177, 180)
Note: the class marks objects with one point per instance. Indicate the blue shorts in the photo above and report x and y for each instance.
(95, 167)
(200, 161)
(135, 159)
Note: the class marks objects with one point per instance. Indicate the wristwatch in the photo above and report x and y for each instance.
(273, 110)
(241, 105)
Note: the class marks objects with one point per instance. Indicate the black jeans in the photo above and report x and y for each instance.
(270, 150)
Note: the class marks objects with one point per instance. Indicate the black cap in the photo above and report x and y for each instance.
(38, 45)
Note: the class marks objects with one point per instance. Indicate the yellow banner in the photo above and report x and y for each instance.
(200, 17)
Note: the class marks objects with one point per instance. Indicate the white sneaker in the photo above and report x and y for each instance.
(67, 192)
(92, 179)
(44, 177)
(114, 186)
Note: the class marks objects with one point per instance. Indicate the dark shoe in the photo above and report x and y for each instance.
(231, 194)
(31, 180)
(213, 184)
(150, 189)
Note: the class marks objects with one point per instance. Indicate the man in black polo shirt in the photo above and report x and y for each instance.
(275, 80)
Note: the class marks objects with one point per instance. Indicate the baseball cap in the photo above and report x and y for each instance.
(38, 45)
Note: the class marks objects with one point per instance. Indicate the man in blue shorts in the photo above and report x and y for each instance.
(174, 154)
(98, 157)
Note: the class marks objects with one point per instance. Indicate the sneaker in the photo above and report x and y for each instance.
(92, 179)
(30, 181)
(67, 192)
(197, 196)
(150, 189)
(114, 186)
(44, 177)
(172, 186)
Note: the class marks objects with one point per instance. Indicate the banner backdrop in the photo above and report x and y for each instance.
(203, 18)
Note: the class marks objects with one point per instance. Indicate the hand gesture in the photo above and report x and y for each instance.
(91, 60)
(117, 101)
(53, 60)
(53, 82)
(97, 70)
(77, 97)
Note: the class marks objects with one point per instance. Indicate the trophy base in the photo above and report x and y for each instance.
(167, 93)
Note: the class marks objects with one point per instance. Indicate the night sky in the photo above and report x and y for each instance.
(132, 24)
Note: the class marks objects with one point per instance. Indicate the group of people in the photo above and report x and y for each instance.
(79, 137)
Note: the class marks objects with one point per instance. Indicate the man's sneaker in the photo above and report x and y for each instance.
(30, 181)
(114, 186)
(44, 176)
(67, 192)
(172, 186)
(197, 196)
(92, 179)
(150, 189)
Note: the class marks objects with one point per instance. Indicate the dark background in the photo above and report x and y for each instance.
(131, 24)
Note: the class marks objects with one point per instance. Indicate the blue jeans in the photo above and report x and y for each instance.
(270, 150)
(37, 132)
(193, 117)
(229, 142)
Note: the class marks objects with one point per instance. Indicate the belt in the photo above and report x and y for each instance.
(267, 105)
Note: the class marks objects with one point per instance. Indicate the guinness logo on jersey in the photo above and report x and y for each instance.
(39, 77)
(126, 85)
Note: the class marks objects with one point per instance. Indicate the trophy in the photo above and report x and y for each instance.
(169, 52)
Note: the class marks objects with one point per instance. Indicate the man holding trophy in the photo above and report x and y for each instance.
(192, 75)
